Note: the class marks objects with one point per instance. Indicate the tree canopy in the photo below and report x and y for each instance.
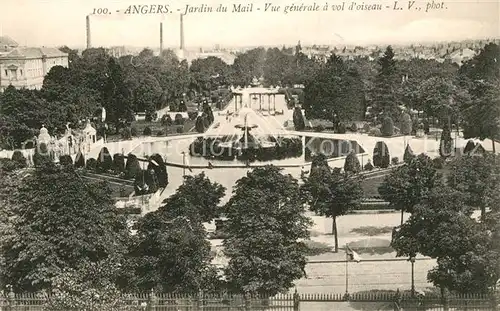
(265, 220)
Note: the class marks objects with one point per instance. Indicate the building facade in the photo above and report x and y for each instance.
(26, 67)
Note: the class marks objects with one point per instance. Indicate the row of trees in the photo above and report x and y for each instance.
(169, 252)
(466, 96)
(79, 242)
(442, 224)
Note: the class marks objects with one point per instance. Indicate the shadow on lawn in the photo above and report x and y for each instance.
(372, 246)
(372, 230)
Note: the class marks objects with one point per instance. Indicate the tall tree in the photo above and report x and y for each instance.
(441, 227)
(170, 254)
(265, 255)
(477, 176)
(410, 183)
(385, 98)
(70, 222)
(332, 194)
(335, 93)
(202, 194)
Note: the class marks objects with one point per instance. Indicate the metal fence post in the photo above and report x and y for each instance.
(397, 300)
(296, 301)
(151, 301)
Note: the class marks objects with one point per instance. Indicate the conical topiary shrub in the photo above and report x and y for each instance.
(157, 164)
(352, 164)
(65, 159)
(79, 160)
(381, 157)
(118, 163)
(19, 158)
(406, 124)
(469, 147)
(387, 128)
(132, 168)
(446, 143)
(409, 155)
(104, 160)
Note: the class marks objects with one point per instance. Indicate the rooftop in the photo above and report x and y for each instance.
(8, 41)
(34, 52)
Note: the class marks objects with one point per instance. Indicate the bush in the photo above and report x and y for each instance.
(79, 160)
(126, 133)
(118, 163)
(375, 132)
(446, 143)
(160, 133)
(65, 159)
(406, 124)
(159, 168)
(354, 128)
(133, 131)
(409, 155)
(41, 155)
(104, 160)
(147, 131)
(352, 164)
(298, 119)
(8, 165)
(438, 163)
(193, 115)
(387, 128)
(132, 168)
(368, 166)
(19, 158)
(179, 120)
(166, 120)
(381, 156)
(91, 164)
(341, 129)
(366, 128)
(199, 125)
(180, 129)
(469, 147)
(395, 161)
(426, 127)
(319, 128)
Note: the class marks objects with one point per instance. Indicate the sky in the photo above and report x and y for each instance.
(62, 22)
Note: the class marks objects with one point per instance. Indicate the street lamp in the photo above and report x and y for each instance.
(412, 260)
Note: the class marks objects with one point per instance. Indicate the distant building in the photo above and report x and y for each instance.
(26, 67)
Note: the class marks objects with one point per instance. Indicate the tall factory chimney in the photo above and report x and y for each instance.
(161, 38)
(182, 33)
(89, 45)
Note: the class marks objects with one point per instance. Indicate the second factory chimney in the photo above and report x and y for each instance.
(89, 45)
(161, 38)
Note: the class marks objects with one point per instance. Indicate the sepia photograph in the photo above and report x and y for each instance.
(258, 155)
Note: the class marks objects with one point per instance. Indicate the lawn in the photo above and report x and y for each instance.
(370, 186)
